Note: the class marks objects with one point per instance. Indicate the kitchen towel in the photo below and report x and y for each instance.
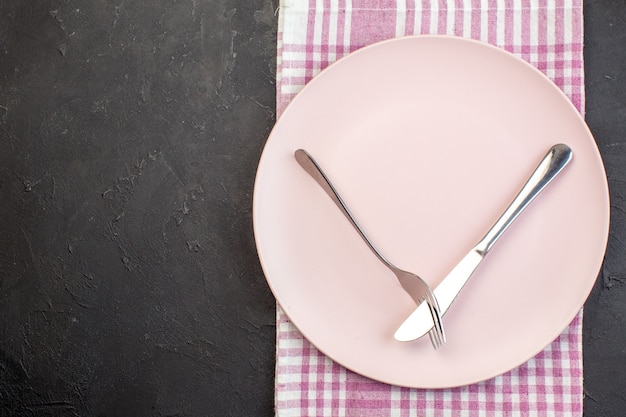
(313, 34)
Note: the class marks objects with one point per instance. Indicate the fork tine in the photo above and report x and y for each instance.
(436, 314)
(432, 334)
(439, 329)
(440, 335)
(436, 333)
(420, 292)
(433, 339)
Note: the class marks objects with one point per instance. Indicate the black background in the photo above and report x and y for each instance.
(130, 133)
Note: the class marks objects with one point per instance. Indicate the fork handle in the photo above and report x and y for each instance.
(309, 164)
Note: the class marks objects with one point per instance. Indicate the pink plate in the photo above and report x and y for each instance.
(428, 139)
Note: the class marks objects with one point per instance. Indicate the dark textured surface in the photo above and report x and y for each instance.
(130, 134)
(604, 326)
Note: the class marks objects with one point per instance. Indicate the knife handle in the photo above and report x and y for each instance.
(555, 160)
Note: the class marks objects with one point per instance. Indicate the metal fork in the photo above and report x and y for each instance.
(415, 286)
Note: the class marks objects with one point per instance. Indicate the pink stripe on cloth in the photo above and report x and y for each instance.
(313, 34)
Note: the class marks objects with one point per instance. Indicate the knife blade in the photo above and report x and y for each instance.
(420, 322)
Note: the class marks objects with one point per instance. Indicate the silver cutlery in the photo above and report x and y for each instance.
(419, 322)
(411, 283)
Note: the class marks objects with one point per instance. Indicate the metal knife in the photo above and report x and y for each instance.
(420, 321)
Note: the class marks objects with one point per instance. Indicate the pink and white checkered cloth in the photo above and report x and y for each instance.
(315, 33)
